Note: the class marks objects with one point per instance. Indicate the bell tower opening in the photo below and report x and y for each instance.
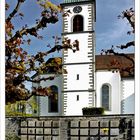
(77, 23)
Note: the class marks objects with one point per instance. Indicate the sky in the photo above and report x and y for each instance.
(109, 29)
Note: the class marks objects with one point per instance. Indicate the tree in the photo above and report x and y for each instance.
(130, 16)
(19, 64)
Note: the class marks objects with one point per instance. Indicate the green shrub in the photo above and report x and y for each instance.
(12, 137)
(93, 111)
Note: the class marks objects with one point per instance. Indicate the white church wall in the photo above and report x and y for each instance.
(84, 83)
(83, 72)
(43, 101)
(79, 63)
(85, 49)
(74, 106)
(113, 79)
(128, 96)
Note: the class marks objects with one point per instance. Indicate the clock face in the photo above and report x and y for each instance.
(77, 9)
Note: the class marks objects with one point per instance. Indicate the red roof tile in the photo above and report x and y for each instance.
(104, 62)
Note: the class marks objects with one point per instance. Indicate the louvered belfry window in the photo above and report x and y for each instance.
(78, 23)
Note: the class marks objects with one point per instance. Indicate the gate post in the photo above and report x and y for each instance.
(63, 129)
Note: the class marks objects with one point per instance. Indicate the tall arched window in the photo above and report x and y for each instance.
(53, 99)
(106, 96)
(77, 23)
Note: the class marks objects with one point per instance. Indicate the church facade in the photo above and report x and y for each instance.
(90, 80)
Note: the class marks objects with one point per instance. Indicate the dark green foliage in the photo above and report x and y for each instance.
(93, 111)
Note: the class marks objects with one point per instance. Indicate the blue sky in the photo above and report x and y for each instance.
(109, 29)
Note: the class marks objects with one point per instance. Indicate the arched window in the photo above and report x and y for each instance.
(53, 99)
(106, 97)
(77, 23)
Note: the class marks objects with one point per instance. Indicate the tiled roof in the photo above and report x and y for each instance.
(104, 62)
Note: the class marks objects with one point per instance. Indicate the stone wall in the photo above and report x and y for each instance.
(12, 128)
(75, 128)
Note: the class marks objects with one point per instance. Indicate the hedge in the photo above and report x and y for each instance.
(93, 111)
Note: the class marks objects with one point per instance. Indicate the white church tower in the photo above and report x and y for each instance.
(79, 82)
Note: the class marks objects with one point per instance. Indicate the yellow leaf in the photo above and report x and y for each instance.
(52, 6)
(48, 4)
(58, 61)
(19, 69)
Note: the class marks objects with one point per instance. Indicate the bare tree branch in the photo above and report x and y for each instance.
(39, 79)
(132, 43)
(12, 14)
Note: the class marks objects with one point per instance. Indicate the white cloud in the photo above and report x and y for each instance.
(117, 32)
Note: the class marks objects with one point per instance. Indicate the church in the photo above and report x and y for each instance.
(90, 80)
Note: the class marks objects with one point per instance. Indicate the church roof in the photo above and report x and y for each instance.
(110, 62)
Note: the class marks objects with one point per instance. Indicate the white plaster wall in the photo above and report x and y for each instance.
(108, 77)
(83, 82)
(82, 54)
(43, 108)
(128, 96)
(74, 107)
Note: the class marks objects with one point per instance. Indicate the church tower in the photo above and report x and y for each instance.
(79, 82)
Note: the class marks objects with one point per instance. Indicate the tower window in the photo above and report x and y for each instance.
(77, 78)
(53, 99)
(77, 23)
(106, 97)
(77, 97)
